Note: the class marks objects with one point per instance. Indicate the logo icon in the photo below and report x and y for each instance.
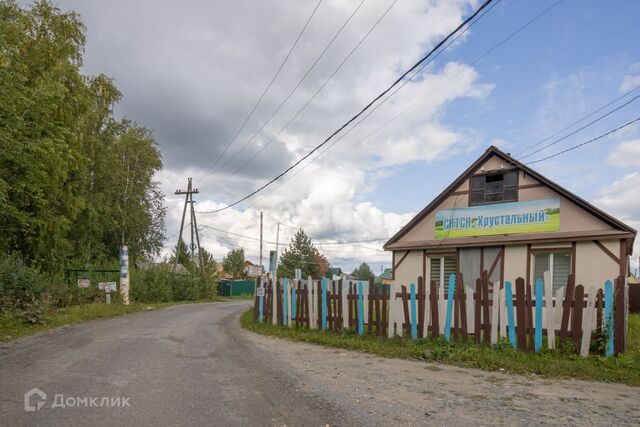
(39, 400)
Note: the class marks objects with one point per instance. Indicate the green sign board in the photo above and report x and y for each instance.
(533, 216)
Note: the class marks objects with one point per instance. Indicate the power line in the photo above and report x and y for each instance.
(577, 121)
(580, 128)
(414, 104)
(586, 142)
(264, 92)
(364, 109)
(306, 104)
(284, 101)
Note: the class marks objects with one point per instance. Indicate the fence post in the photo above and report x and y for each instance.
(538, 339)
(447, 323)
(414, 327)
(360, 309)
(550, 312)
(510, 320)
(608, 316)
(323, 297)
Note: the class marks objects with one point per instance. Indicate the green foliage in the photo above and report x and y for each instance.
(363, 272)
(74, 182)
(160, 284)
(547, 363)
(233, 264)
(302, 254)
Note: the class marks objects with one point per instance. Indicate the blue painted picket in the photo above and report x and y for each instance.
(293, 303)
(260, 308)
(447, 323)
(285, 298)
(538, 340)
(360, 310)
(414, 323)
(510, 320)
(608, 315)
(324, 303)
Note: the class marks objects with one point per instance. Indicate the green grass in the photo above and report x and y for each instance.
(12, 328)
(549, 364)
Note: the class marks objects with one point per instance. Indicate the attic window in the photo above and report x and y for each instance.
(494, 187)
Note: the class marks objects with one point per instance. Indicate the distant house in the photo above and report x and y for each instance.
(334, 271)
(385, 277)
(252, 270)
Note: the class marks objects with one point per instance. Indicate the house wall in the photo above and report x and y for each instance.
(515, 262)
(572, 217)
(593, 266)
(409, 270)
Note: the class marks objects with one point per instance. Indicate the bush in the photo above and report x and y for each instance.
(159, 284)
(152, 285)
(22, 290)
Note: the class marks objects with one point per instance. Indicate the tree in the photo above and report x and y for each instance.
(363, 272)
(302, 254)
(75, 183)
(233, 263)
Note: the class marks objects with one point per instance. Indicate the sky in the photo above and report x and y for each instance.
(191, 71)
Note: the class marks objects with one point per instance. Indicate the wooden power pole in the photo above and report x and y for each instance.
(188, 201)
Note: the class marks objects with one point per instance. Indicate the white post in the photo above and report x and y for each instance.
(312, 303)
(550, 311)
(502, 330)
(345, 303)
(587, 322)
(124, 274)
(495, 313)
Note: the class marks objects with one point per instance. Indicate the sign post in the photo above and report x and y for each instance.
(124, 274)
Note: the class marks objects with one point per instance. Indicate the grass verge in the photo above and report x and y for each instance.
(12, 328)
(547, 363)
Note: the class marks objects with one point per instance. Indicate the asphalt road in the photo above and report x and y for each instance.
(182, 365)
(193, 365)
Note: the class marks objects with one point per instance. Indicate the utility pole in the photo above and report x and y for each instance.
(277, 244)
(261, 242)
(188, 201)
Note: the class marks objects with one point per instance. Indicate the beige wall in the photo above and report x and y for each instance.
(410, 268)
(593, 266)
(572, 217)
(515, 262)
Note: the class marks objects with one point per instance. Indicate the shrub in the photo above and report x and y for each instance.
(151, 285)
(20, 285)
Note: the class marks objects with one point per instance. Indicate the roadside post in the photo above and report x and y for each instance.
(124, 274)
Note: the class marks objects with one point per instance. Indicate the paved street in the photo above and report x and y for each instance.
(192, 365)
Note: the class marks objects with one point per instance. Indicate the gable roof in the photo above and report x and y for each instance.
(494, 151)
(386, 274)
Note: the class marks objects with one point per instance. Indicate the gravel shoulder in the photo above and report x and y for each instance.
(403, 392)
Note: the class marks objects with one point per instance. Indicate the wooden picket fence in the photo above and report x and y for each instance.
(522, 313)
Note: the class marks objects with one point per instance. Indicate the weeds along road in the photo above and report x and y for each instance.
(192, 365)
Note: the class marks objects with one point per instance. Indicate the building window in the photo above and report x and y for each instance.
(494, 187)
(441, 268)
(557, 263)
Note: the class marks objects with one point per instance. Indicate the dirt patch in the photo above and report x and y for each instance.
(404, 392)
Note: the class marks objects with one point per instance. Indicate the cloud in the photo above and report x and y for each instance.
(191, 71)
(625, 154)
(632, 80)
(622, 200)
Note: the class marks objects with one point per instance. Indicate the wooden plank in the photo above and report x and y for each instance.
(421, 304)
(608, 317)
(529, 310)
(508, 294)
(502, 328)
(495, 313)
(456, 311)
(256, 299)
(329, 306)
(566, 308)
(376, 302)
(549, 310)
(405, 309)
(433, 299)
(521, 314)
(462, 296)
(478, 311)
(370, 311)
(599, 310)
(587, 323)
(538, 317)
(486, 322)
(414, 309)
(576, 317)
(619, 322)
(447, 323)
(360, 309)
(340, 306)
